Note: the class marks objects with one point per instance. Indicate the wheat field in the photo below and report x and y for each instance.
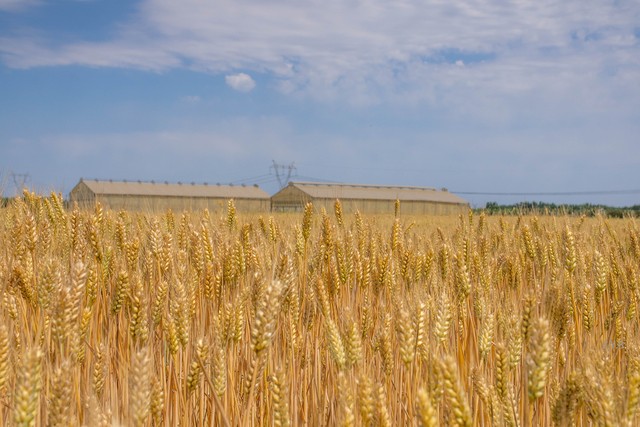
(317, 318)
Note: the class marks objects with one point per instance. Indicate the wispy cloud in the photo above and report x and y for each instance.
(17, 5)
(438, 53)
(241, 82)
(191, 99)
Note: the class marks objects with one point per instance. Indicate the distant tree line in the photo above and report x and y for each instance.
(542, 208)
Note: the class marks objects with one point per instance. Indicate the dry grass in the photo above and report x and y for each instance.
(122, 318)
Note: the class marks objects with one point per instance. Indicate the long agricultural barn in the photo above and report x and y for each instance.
(154, 196)
(367, 199)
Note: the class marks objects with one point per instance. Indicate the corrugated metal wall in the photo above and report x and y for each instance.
(86, 199)
(156, 203)
(291, 199)
(388, 207)
(82, 195)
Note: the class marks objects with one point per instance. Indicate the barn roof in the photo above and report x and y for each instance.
(320, 190)
(141, 188)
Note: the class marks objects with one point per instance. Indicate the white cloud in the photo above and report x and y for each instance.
(191, 99)
(366, 52)
(17, 5)
(241, 82)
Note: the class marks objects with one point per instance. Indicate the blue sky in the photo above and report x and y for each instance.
(478, 96)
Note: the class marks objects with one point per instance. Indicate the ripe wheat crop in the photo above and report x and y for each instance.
(318, 318)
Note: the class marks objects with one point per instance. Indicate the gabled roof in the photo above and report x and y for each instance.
(320, 190)
(141, 188)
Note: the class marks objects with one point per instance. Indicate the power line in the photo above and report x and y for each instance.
(265, 180)
(557, 193)
(312, 179)
(253, 178)
(283, 173)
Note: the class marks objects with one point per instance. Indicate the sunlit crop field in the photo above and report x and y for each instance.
(317, 318)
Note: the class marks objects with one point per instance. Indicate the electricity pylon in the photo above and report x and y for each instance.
(281, 170)
(20, 181)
